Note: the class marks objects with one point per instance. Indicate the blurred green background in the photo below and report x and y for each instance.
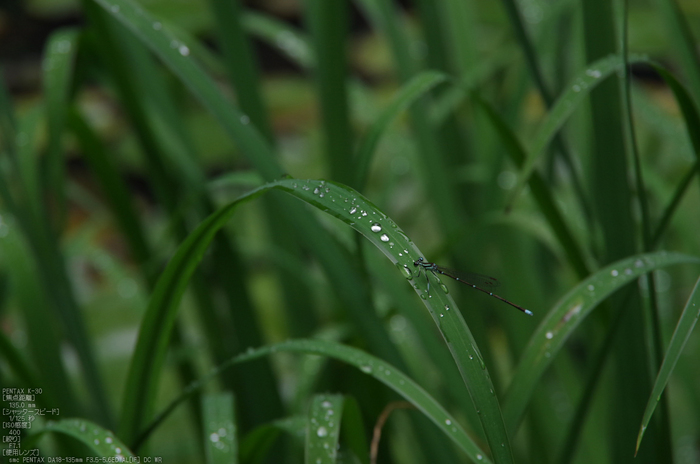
(505, 138)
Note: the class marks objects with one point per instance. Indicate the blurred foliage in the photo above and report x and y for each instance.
(158, 280)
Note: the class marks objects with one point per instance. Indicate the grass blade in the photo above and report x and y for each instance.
(353, 431)
(288, 40)
(566, 315)
(240, 64)
(220, 442)
(386, 374)
(686, 323)
(685, 45)
(349, 206)
(323, 429)
(157, 323)
(101, 441)
(574, 95)
(58, 70)
(177, 57)
(114, 189)
(540, 191)
(43, 340)
(328, 23)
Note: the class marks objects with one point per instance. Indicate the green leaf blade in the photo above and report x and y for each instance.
(389, 376)
(323, 429)
(220, 441)
(567, 314)
(686, 324)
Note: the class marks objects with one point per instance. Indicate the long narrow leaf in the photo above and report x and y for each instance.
(574, 95)
(323, 429)
(220, 441)
(101, 441)
(567, 314)
(349, 206)
(58, 69)
(686, 324)
(176, 55)
(386, 374)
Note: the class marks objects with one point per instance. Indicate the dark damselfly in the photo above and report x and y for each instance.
(476, 281)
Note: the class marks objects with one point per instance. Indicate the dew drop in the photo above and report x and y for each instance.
(549, 335)
(376, 227)
(322, 431)
(591, 288)
(404, 270)
(184, 50)
(614, 273)
(353, 210)
(245, 119)
(448, 422)
(444, 288)
(384, 238)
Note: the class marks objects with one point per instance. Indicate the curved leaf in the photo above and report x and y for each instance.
(566, 315)
(684, 328)
(157, 323)
(176, 56)
(567, 102)
(386, 374)
(101, 441)
(355, 210)
(282, 36)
